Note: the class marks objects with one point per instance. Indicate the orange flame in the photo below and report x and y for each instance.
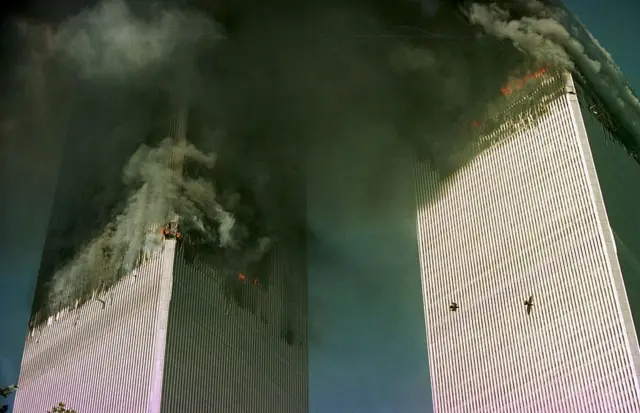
(520, 83)
(517, 84)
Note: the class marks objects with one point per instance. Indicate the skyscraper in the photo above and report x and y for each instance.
(178, 333)
(528, 255)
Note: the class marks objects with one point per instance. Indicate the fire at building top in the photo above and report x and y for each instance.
(519, 83)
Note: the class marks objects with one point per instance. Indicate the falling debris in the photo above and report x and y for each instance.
(529, 304)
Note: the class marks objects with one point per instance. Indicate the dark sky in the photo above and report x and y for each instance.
(369, 358)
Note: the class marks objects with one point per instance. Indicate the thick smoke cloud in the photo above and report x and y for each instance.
(551, 35)
(110, 41)
(134, 235)
(297, 94)
(543, 38)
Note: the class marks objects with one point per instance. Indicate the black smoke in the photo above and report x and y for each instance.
(276, 91)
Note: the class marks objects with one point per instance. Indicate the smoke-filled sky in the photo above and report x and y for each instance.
(342, 93)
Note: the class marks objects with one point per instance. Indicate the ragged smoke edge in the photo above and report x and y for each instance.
(109, 41)
(135, 234)
(535, 31)
(553, 36)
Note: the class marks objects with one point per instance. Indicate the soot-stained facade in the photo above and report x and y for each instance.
(181, 332)
(528, 256)
(240, 353)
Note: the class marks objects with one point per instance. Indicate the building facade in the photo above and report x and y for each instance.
(225, 357)
(179, 333)
(542, 215)
(102, 356)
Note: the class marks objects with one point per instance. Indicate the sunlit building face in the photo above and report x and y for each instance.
(525, 302)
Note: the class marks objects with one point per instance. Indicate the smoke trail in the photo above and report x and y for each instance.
(551, 35)
(160, 192)
(537, 37)
(312, 93)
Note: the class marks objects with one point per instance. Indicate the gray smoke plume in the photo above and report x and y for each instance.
(160, 193)
(336, 95)
(543, 38)
(332, 94)
(551, 35)
(110, 41)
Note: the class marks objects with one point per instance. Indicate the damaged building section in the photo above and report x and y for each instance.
(217, 230)
(251, 314)
(188, 273)
(521, 104)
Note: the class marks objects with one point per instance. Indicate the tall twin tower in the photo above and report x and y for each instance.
(169, 338)
(529, 256)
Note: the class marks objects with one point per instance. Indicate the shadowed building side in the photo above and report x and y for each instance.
(178, 129)
(225, 357)
(619, 177)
